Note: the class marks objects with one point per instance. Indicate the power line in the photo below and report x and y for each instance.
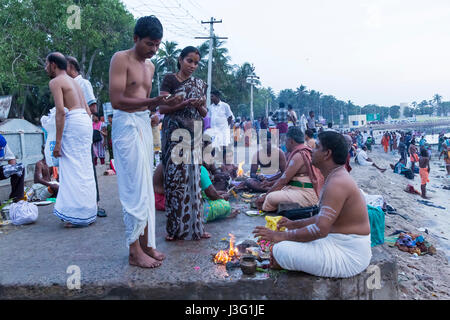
(211, 38)
(176, 17)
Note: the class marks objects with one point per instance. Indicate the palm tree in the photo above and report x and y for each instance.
(169, 56)
(437, 99)
(300, 93)
(159, 70)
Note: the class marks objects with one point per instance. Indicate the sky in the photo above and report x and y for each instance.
(383, 52)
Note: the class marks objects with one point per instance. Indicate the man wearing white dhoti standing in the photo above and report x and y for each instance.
(130, 84)
(221, 122)
(75, 203)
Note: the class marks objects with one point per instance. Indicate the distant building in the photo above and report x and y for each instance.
(403, 105)
(356, 121)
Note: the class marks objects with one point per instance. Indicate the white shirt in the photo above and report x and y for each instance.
(86, 87)
(362, 158)
(220, 129)
(219, 114)
(8, 155)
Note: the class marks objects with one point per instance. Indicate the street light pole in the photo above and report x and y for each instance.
(210, 55)
(252, 78)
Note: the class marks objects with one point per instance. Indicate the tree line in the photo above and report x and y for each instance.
(33, 28)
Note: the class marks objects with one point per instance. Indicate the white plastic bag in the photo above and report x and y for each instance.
(49, 124)
(408, 163)
(374, 200)
(23, 212)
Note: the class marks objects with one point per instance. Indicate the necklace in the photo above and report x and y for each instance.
(332, 173)
(179, 77)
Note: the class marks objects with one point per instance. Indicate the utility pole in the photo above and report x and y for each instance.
(252, 79)
(210, 55)
(267, 108)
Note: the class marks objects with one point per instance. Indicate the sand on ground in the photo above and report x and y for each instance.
(425, 277)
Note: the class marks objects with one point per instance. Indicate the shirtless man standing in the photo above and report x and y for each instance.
(300, 183)
(130, 75)
(76, 201)
(336, 242)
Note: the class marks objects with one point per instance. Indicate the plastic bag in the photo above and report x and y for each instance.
(23, 212)
(49, 124)
(374, 200)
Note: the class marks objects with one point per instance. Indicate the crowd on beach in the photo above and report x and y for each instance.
(164, 162)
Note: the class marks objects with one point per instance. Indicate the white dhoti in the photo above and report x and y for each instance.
(77, 196)
(335, 256)
(133, 160)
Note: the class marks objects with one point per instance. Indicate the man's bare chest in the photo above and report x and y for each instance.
(139, 77)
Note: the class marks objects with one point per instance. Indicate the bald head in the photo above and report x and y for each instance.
(58, 59)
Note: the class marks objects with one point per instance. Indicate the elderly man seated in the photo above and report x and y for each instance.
(13, 170)
(43, 186)
(271, 162)
(336, 242)
(300, 183)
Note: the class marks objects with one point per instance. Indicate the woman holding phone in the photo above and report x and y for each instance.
(184, 203)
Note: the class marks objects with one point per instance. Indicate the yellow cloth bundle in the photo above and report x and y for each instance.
(271, 223)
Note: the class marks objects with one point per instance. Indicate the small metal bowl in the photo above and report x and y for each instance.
(248, 264)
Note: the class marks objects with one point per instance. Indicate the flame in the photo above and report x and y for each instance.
(233, 252)
(240, 171)
(224, 256)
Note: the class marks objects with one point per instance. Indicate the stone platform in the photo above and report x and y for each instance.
(34, 260)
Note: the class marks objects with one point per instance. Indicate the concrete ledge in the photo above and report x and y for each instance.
(34, 261)
(279, 286)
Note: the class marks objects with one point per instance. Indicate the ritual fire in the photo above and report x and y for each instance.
(224, 256)
(240, 171)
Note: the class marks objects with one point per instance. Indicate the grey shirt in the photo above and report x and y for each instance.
(311, 123)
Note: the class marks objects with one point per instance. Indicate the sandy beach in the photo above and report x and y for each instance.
(425, 277)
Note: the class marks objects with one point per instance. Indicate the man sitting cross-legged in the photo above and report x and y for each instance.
(300, 183)
(43, 186)
(336, 242)
(272, 162)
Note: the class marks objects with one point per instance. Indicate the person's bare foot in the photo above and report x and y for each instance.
(153, 253)
(206, 235)
(169, 238)
(274, 264)
(70, 225)
(234, 213)
(143, 261)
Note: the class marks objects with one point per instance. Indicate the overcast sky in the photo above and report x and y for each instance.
(368, 51)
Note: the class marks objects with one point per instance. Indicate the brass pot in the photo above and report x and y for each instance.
(248, 264)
